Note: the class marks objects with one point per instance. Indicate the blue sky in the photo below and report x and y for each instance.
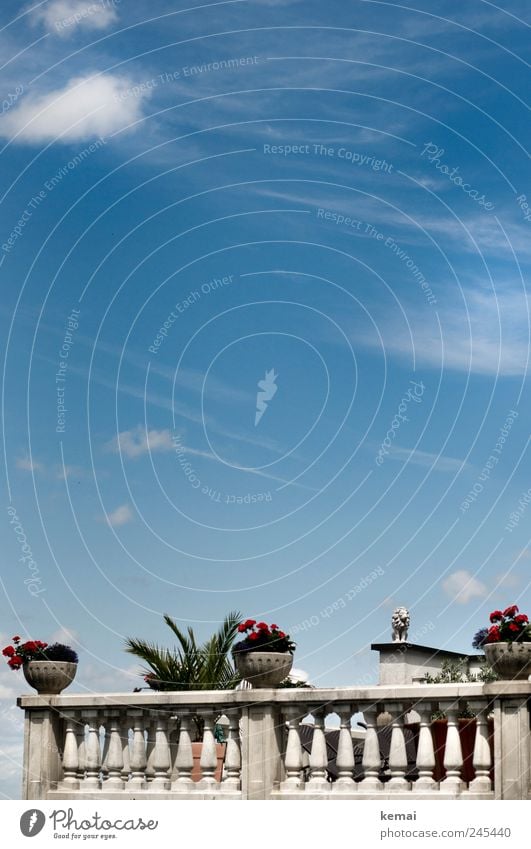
(330, 199)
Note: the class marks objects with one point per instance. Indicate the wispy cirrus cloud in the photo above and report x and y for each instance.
(426, 459)
(487, 334)
(29, 464)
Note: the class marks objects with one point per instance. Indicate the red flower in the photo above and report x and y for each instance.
(493, 635)
(281, 634)
(496, 615)
(16, 639)
(262, 626)
(521, 619)
(29, 646)
(9, 651)
(249, 623)
(253, 636)
(241, 628)
(513, 627)
(40, 645)
(274, 627)
(510, 611)
(15, 662)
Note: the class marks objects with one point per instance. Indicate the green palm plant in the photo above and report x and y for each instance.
(190, 666)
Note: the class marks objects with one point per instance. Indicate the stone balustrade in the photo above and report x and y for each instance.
(276, 744)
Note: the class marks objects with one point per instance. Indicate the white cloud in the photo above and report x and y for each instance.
(487, 334)
(121, 516)
(29, 465)
(87, 107)
(427, 459)
(139, 441)
(462, 587)
(64, 17)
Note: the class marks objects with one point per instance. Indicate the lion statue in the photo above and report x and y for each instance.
(400, 622)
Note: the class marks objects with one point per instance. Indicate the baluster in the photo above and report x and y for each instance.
(481, 757)
(345, 752)
(150, 749)
(138, 752)
(453, 755)
(425, 752)
(318, 755)
(209, 757)
(115, 757)
(70, 754)
(233, 759)
(81, 748)
(173, 737)
(184, 761)
(161, 754)
(293, 758)
(124, 738)
(371, 753)
(92, 752)
(105, 748)
(397, 751)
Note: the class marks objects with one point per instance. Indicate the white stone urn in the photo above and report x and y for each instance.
(511, 661)
(49, 677)
(263, 668)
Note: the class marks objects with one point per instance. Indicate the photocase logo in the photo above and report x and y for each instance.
(268, 389)
(32, 822)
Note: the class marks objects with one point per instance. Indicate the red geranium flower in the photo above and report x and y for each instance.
(16, 639)
(9, 651)
(493, 635)
(521, 618)
(510, 611)
(496, 615)
(513, 627)
(15, 662)
(40, 645)
(263, 626)
(29, 646)
(241, 627)
(281, 634)
(250, 623)
(253, 636)
(274, 627)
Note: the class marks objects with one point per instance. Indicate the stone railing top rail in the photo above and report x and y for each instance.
(410, 693)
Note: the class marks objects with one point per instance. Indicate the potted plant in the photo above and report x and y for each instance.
(507, 643)
(265, 656)
(192, 666)
(49, 669)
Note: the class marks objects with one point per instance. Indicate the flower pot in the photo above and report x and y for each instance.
(49, 677)
(467, 735)
(263, 668)
(197, 772)
(511, 661)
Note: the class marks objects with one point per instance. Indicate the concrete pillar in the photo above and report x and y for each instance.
(261, 750)
(512, 740)
(43, 741)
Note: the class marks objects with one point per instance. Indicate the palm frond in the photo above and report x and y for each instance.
(189, 666)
